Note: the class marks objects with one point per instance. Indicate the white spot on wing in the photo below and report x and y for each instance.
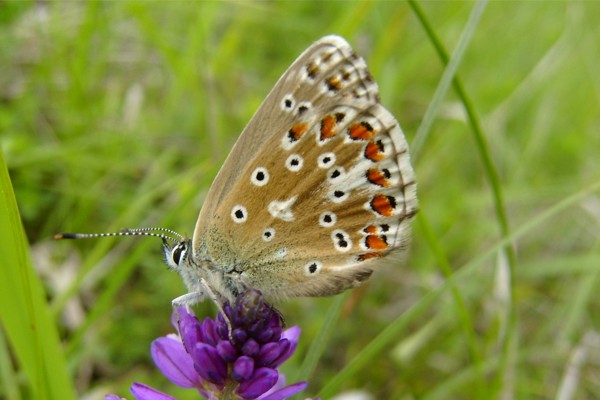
(326, 160)
(260, 176)
(281, 253)
(303, 107)
(294, 162)
(282, 209)
(268, 234)
(338, 195)
(312, 267)
(336, 174)
(341, 240)
(327, 219)
(288, 103)
(239, 214)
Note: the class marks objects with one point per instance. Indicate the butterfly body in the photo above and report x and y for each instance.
(317, 191)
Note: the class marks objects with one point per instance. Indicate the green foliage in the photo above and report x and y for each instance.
(25, 315)
(119, 114)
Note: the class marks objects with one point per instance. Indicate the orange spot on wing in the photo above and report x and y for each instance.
(312, 69)
(370, 229)
(376, 242)
(368, 256)
(296, 132)
(383, 205)
(333, 83)
(327, 125)
(361, 131)
(376, 177)
(374, 151)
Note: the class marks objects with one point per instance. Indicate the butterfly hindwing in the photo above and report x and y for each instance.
(318, 187)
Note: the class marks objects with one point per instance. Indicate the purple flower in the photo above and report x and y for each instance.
(239, 360)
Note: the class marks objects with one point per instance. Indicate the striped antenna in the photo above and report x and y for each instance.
(125, 232)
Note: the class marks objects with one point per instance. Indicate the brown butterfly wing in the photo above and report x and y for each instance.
(318, 186)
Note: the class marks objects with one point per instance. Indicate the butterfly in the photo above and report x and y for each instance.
(317, 191)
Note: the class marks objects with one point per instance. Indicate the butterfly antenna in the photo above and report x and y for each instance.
(155, 232)
(172, 232)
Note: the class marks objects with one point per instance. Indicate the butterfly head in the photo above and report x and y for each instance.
(177, 256)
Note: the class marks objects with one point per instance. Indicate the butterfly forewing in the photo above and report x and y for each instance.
(318, 187)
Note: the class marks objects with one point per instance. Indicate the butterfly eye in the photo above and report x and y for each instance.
(178, 252)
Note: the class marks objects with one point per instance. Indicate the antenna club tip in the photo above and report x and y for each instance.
(59, 236)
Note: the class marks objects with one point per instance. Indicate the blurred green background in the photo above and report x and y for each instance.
(119, 114)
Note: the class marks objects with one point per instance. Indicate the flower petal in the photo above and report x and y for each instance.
(113, 397)
(279, 385)
(285, 392)
(209, 364)
(270, 352)
(144, 392)
(189, 328)
(227, 351)
(239, 335)
(250, 348)
(292, 334)
(251, 304)
(276, 323)
(257, 327)
(267, 335)
(208, 333)
(174, 362)
(262, 380)
(242, 369)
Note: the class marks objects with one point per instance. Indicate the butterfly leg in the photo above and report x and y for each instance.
(188, 299)
(219, 303)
